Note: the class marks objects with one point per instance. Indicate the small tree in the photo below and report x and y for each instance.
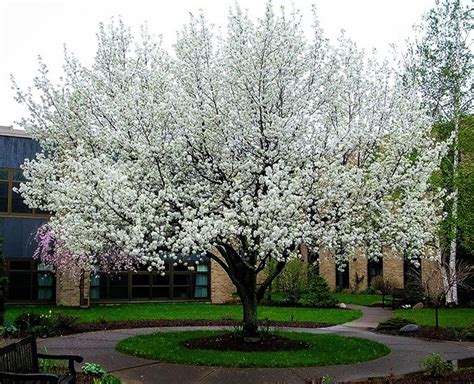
(3, 284)
(318, 293)
(384, 286)
(437, 287)
(293, 281)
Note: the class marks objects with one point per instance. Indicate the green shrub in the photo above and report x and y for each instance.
(413, 293)
(52, 366)
(43, 325)
(436, 364)
(107, 379)
(93, 369)
(394, 323)
(35, 324)
(292, 281)
(368, 291)
(63, 322)
(318, 293)
(326, 379)
(9, 330)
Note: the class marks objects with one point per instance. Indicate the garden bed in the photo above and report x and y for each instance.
(462, 330)
(463, 376)
(89, 379)
(126, 324)
(431, 333)
(104, 325)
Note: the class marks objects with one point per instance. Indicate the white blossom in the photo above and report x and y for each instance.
(257, 139)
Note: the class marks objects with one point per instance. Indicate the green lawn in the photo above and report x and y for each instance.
(189, 311)
(448, 317)
(324, 350)
(358, 298)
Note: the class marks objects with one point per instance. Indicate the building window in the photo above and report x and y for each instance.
(4, 188)
(11, 202)
(30, 281)
(176, 282)
(411, 272)
(342, 277)
(202, 281)
(374, 268)
(313, 260)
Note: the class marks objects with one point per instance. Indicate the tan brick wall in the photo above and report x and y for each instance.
(222, 287)
(358, 271)
(67, 290)
(393, 268)
(430, 270)
(327, 268)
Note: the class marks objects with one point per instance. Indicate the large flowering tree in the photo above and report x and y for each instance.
(241, 147)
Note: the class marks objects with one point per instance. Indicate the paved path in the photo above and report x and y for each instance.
(405, 356)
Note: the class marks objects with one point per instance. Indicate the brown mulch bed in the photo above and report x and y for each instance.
(84, 379)
(420, 378)
(446, 334)
(230, 342)
(103, 325)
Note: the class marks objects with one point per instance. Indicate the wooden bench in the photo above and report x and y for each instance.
(19, 364)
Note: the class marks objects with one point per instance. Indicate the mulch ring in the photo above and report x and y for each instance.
(102, 325)
(231, 342)
(447, 334)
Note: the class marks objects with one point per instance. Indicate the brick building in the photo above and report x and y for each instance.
(32, 282)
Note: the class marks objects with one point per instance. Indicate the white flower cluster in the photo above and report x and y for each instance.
(257, 139)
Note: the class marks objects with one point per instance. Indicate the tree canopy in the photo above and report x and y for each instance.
(250, 142)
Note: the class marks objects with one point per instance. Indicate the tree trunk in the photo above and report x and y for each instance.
(249, 307)
(244, 276)
(452, 296)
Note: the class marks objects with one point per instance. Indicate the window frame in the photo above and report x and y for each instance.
(374, 269)
(33, 273)
(191, 286)
(342, 278)
(10, 182)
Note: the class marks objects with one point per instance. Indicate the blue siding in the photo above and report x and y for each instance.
(18, 236)
(18, 233)
(14, 151)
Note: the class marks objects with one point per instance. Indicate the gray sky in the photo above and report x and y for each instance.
(32, 27)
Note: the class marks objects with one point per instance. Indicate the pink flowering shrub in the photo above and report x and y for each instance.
(51, 250)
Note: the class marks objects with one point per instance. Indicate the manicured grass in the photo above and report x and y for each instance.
(358, 298)
(189, 311)
(448, 317)
(324, 350)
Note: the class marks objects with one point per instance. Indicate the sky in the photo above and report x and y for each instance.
(29, 28)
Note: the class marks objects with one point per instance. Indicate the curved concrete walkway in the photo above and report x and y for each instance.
(405, 357)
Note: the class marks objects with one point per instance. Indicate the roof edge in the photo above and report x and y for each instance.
(10, 131)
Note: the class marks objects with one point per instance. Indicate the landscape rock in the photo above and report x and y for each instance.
(418, 305)
(409, 328)
(342, 306)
